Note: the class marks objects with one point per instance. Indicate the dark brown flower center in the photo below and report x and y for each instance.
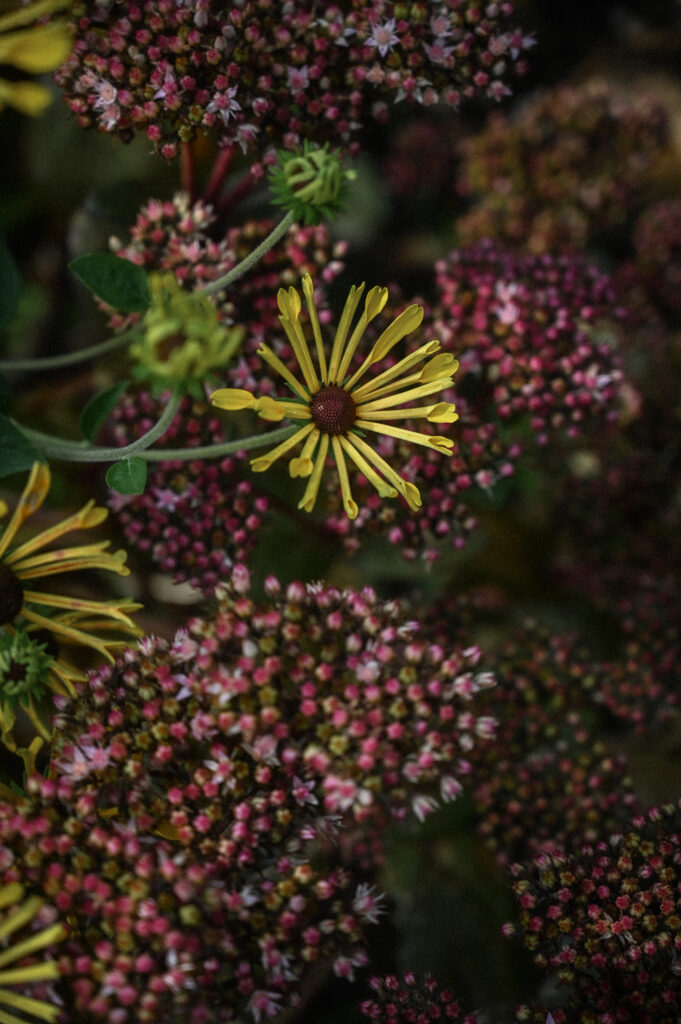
(333, 410)
(11, 595)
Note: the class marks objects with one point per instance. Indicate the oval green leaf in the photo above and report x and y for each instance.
(116, 281)
(127, 476)
(98, 408)
(17, 454)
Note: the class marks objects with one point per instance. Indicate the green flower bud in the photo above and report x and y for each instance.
(24, 665)
(183, 340)
(310, 182)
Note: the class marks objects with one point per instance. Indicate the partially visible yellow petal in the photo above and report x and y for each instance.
(374, 386)
(55, 933)
(26, 97)
(443, 412)
(349, 504)
(385, 489)
(307, 502)
(34, 493)
(88, 516)
(289, 303)
(37, 49)
(308, 292)
(303, 465)
(36, 1007)
(441, 366)
(409, 491)
(294, 333)
(275, 362)
(20, 916)
(263, 462)
(443, 445)
(269, 409)
(351, 303)
(233, 399)
(31, 12)
(373, 304)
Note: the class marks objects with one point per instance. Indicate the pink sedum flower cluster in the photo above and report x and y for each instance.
(261, 73)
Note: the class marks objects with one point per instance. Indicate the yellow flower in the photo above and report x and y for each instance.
(72, 620)
(35, 49)
(336, 407)
(19, 916)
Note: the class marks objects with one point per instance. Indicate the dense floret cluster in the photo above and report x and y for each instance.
(607, 922)
(262, 73)
(572, 163)
(538, 330)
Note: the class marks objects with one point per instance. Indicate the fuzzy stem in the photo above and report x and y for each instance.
(83, 451)
(68, 358)
(242, 268)
(218, 451)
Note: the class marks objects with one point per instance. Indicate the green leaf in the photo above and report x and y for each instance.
(16, 451)
(10, 284)
(127, 476)
(116, 281)
(5, 394)
(98, 408)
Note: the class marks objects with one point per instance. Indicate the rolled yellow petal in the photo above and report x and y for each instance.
(35, 1007)
(26, 97)
(385, 489)
(269, 409)
(31, 12)
(443, 412)
(349, 504)
(351, 303)
(233, 399)
(263, 462)
(443, 365)
(307, 502)
(443, 445)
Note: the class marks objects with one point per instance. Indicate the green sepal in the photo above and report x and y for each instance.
(118, 282)
(17, 454)
(10, 284)
(128, 476)
(95, 412)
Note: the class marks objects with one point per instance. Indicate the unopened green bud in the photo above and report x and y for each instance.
(310, 182)
(183, 340)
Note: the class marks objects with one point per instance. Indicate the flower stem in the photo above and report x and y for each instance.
(241, 268)
(83, 451)
(68, 358)
(218, 451)
(218, 174)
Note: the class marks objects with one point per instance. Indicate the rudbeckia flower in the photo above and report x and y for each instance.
(19, 916)
(34, 49)
(336, 404)
(69, 620)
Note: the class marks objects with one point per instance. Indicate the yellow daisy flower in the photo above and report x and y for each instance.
(336, 407)
(18, 917)
(34, 49)
(71, 620)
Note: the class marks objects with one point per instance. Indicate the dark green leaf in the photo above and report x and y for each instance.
(16, 451)
(116, 281)
(127, 476)
(5, 394)
(10, 284)
(98, 408)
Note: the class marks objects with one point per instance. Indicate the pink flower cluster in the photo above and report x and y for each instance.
(196, 517)
(607, 922)
(530, 327)
(260, 73)
(570, 165)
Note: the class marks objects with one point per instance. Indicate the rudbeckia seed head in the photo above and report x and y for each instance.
(333, 410)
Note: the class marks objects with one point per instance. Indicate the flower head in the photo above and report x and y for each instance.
(310, 182)
(15, 916)
(335, 406)
(34, 49)
(183, 339)
(69, 620)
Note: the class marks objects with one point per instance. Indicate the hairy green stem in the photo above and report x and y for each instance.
(241, 268)
(218, 451)
(69, 358)
(83, 451)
